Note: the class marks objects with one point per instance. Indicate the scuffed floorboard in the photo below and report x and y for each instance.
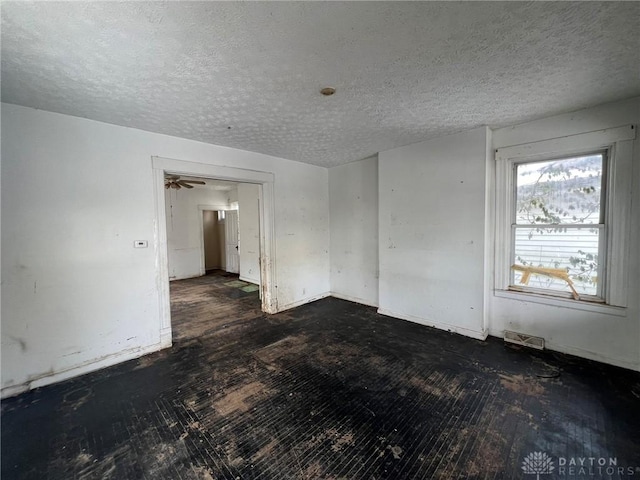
(330, 390)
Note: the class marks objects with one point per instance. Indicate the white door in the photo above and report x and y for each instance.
(231, 236)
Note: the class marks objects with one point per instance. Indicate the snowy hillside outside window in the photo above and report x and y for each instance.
(559, 225)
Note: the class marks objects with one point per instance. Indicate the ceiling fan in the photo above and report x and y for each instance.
(173, 181)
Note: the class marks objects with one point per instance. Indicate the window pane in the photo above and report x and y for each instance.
(561, 250)
(559, 191)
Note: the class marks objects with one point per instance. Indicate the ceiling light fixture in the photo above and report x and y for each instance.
(328, 91)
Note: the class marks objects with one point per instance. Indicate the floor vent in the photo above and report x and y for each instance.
(524, 339)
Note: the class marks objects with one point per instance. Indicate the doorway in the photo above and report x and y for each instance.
(213, 239)
(212, 245)
(266, 247)
(231, 233)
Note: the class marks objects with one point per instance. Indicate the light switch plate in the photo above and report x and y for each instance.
(140, 244)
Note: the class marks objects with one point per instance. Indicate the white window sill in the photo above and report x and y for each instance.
(561, 302)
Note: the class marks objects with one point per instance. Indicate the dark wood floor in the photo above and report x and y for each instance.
(330, 390)
(211, 305)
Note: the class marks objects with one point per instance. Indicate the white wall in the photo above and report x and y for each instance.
(353, 206)
(432, 273)
(249, 232)
(75, 195)
(184, 228)
(432, 198)
(602, 336)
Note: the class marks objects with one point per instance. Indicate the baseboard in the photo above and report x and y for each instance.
(166, 338)
(249, 280)
(479, 335)
(14, 390)
(87, 367)
(582, 353)
(303, 301)
(579, 352)
(351, 298)
(184, 277)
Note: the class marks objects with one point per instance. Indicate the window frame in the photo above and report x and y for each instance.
(616, 187)
(601, 225)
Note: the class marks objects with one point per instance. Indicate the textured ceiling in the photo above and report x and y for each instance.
(248, 75)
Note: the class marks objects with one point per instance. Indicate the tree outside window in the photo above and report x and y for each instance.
(558, 229)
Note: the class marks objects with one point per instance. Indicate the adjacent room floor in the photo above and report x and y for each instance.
(330, 390)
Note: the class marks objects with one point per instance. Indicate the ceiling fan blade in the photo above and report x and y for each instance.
(182, 183)
(197, 182)
(167, 185)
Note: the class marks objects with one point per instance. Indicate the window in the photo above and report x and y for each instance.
(559, 226)
(562, 219)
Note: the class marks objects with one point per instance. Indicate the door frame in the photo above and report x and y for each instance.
(264, 180)
(201, 209)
